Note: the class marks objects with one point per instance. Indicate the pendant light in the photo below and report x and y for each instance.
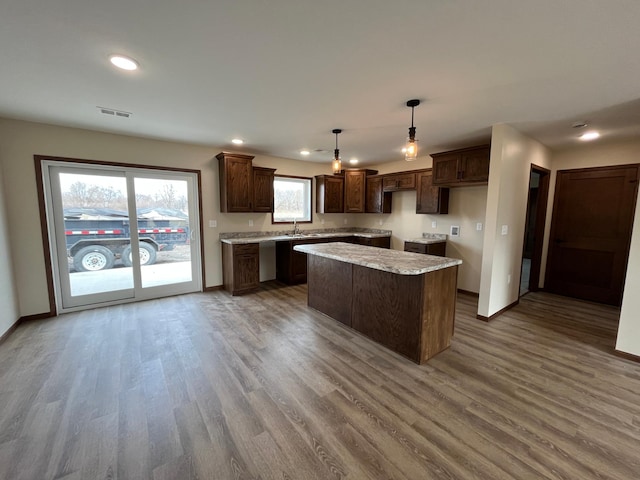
(337, 164)
(411, 148)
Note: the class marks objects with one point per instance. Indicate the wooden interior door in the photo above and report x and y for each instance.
(591, 232)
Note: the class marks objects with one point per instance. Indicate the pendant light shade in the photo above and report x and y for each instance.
(411, 148)
(337, 164)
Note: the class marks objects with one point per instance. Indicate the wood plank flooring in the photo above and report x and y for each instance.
(209, 386)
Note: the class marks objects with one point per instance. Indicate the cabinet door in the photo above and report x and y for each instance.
(376, 200)
(445, 169)
(263, 189)
(329, 194)
(430, 199)
(354, 191)
(246, 272)
(474, 165)
(236, 182)
(399, 181)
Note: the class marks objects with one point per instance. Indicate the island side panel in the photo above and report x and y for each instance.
(329, 287)
(439, 311)
(387, 308)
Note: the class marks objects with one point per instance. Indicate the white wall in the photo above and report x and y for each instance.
(8, 297)
(21, 140)
(467, 207)
(599, 154)
(512, 154)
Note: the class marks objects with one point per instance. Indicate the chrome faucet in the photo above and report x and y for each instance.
(296, 229)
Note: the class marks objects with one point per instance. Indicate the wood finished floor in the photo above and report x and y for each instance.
(207, 386)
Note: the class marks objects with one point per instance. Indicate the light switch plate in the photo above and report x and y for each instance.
(434, 224)
(251, 223)
(505, 229)
(479, 226)
(213, 223)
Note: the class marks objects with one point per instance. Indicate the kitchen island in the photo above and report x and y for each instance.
(404, 301)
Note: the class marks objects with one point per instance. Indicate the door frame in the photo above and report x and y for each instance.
(47, 240)
(538, 230)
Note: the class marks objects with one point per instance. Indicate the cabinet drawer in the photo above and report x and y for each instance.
(438, 249)
(400, 181)
(246, 248)
(415, 247)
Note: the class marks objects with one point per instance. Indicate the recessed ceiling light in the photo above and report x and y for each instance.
(125, 63)
(353, 161)
(237, 141)
(304, 152)
(589, 136)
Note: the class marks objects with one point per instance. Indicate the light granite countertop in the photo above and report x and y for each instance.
(259, 237)
(429, 238)
(394, 261)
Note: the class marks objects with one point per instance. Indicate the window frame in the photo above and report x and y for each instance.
(310, 180)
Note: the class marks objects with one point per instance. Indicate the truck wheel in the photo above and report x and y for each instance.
(147, 255)
(93, 258)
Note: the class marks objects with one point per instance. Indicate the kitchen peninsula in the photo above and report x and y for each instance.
(405, 301)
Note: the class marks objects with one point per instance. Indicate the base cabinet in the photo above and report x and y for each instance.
(240, 267)
(291, 266)
(438, 249)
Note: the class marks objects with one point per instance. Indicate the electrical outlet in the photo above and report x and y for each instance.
(322, 222)
(479, 226)
(505, 229)
(379, 222)
(345, 221)
(434, 224)
(213, 223)
(251, 223)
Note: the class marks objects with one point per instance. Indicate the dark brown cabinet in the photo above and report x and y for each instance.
(439, 249)
(243, 187)
(240, 267)
(430, 199)
(399, 181)
(376, 200)
(291, 266)
(354, 190)
(236, 182)
(467, 166)
(329, 194)
(263, 189)
(380, 242)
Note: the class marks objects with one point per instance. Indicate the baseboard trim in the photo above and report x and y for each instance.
(499, 312)
(467, 292)
(214, 288)
(8, 333)
(628, 356)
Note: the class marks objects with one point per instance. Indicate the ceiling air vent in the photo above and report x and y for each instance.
(114, 113)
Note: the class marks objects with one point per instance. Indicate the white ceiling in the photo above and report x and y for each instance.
(282, 74)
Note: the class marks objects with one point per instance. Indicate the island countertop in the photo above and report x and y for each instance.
(394, 261)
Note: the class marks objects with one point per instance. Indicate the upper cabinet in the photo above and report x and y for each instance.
(467, 166)
(263, 189)
(430, 199)
(354, 190)
(377, 201)
(244, 188)
(329, 194)
(399, 181)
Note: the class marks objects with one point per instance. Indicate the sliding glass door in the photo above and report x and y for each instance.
(121, 234)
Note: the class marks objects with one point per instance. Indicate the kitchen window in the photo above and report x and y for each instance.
(291, 199)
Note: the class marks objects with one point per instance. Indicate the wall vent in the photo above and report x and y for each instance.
(114, 112)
